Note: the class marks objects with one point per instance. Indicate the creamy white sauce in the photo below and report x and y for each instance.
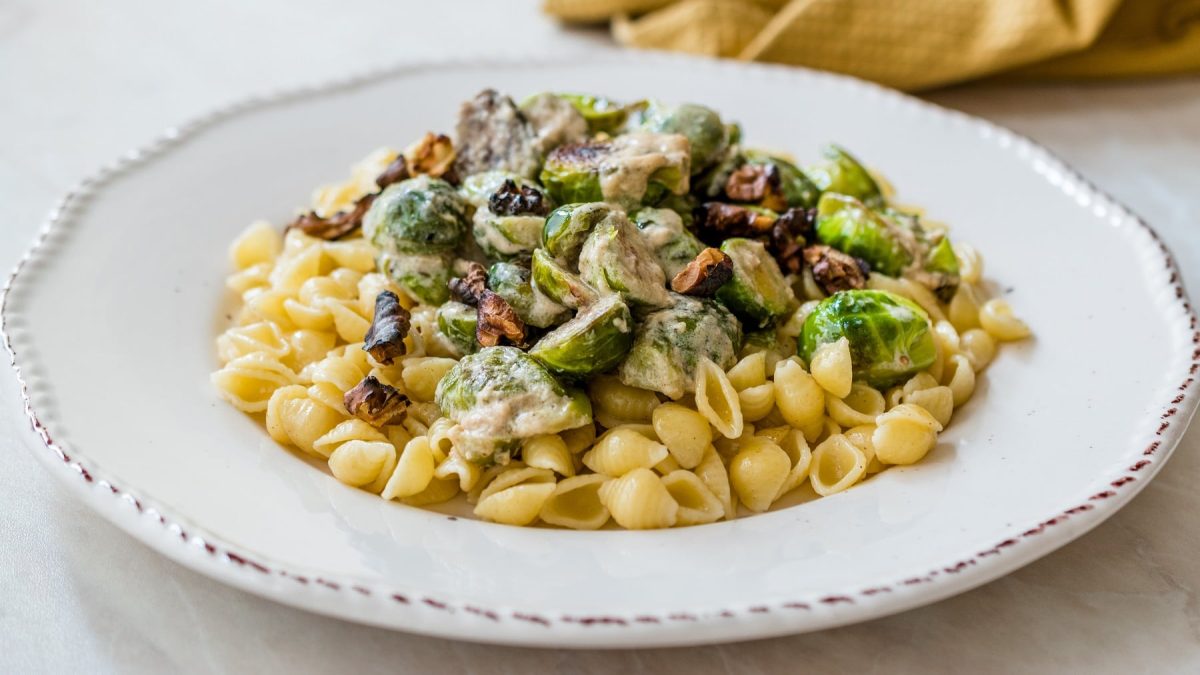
(555, 121)
(623, 264)
(484, 222)
(499, 415)
(625, 173)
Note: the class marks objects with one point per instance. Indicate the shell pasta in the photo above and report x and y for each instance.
(529, 322)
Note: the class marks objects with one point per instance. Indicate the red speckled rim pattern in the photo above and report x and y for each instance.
(1122, 483)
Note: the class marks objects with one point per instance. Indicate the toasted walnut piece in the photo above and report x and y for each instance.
(468, 289)
(833, 270)
(433, 155)
(336, 226)
(786, 248)
(511, 200)
(385, 338)
(497, 320)
(394, 173)
(717, 221)
(707, 272)
(375, 402)
(800, 222)
(757, 183)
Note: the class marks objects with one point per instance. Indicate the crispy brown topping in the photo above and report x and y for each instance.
(788, 236)
(717, 221)
(385, 338)
(336, 226)
(375, 402)
(756, 183)
(707, 272)
(468, 289)
(432, 155)
(511, 200)
(394, 173)
(835, 271)
(497, 320)
(799, 222)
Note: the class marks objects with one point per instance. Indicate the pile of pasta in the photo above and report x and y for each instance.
(764, 428)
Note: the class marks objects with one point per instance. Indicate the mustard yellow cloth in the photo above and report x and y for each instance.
(917, 44)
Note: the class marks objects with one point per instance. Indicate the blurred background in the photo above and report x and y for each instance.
(1111, 86)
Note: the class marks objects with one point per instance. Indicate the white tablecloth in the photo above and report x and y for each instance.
(83, 81)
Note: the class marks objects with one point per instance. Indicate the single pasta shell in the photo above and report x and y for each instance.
(711, 471)
(517, 505)
(684, 431)
(622, 450)
(414, 470)
(575, 503)
(836, 465)
(358, 463)
(757, 472)
(639, 501)
(697, 504)
(717, 400)
(831, 367)
(349, 430)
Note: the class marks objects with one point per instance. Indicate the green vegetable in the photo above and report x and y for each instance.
(457, 322)
(506, 237)
(941, 258)
(843, 174)
(890, 337)
(669, 343)
(683, 205)
(847, 224)
(568, 226)
(706, 133)
(798, 190)
(501, 394)
(422, 276)
(420, 215)
(674, 245)
(602, 114)
(758, 292)
(617, 258)
(593, 342)
(558, 283)
(512, 282)
(628, 170)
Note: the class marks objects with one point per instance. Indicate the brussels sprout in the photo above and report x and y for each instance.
(558, 283)
(511, 282)
(593, 342)
(683, 205)
(491, 133)
(674, 245)
(568, 226)
(706, 133)
(555, 120)
(941, 269)
(422, 276)
(506, 237)
(501, 394)
(457, 322)
(420, 215)
(601, 114)
(629, 170)
(617, 258)
(797, 189)
(757, 293)
(848, 225)
(841, 173)
(890, 337)
(669, 343)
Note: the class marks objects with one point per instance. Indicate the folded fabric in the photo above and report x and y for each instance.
(917, 44)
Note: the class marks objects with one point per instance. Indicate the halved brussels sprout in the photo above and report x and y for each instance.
(843, 174)
(617, 258)
(506, 237)
(422, 276)
(758, 292)
(560, 284)
(555, 120)
(420, 215)
(798, 190)
(706, 133)
(568, 226)
(601, 114)
(669, 343)
(846, 224)
(512, 282)
(674, 245)
(501, 394)
(629, 170)
(941, 267)
(457, 322)
(593, 342)
(890, 336)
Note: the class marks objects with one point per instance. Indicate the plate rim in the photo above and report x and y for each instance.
(208, 554)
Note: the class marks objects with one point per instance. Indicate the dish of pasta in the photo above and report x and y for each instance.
(583, 312)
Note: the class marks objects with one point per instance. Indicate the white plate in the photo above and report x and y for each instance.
(111, 320)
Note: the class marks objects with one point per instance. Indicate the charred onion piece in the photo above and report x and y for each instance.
(394, 173)
(468, 289)
(375, 402)
(385, 338)
(433, 155)
(707, 272)
(511, 200)
(336, 226)
(497, 320)
(835, 271)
